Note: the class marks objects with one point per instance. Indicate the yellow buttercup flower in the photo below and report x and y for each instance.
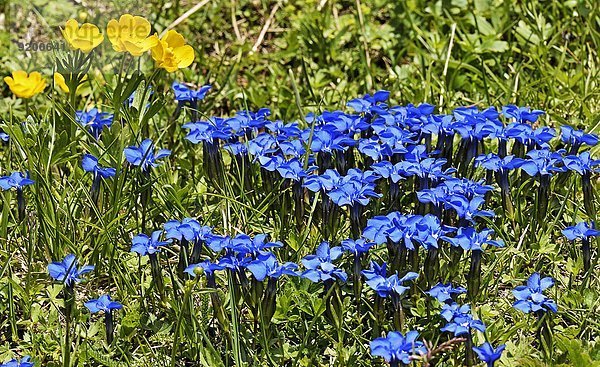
(131, 34)
(171, 52)
(24, 85)
(59, 80)
(84, 38)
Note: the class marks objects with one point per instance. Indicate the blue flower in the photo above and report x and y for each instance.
(328, 140)
(244, 244)
(468, 209)
(377, 229)
(235, 261)
(24, 362)
(444, 292)
(577, 138)
(67, 270)
(357, 247)
(103, 303)
(582, 163)
(430, 230)
(236, 148)
(375, 270)
(207, 131)
(144, 245)
(395, 172)
(375, 149)
(404, 229)
(292, 170)
(460, 320)
(16, 180)
(470, 240)
(4, 137)
(530, 297)
(320, 266)
(353, 192)
(266, 265)
(90, 164)
(542, 162)
(293, 148)
(488, 354)
(183, 93)
(495, 163)
(365, 104)
(581, 230)
(283, 131)
(396, 348)
(206, 266)
(521, 114)
(392, 285)
(94, 120)
(144, 156)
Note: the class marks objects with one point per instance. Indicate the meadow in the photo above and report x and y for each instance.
(299, 183)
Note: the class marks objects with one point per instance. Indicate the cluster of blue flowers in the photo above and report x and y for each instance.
(348, 160)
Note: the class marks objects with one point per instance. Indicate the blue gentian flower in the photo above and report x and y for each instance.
(377, 229)
(293, 148)
(470, 240)
(394, 172)
(271, 162)
(292, 170)
(581, 230)
(90, 164)
(320, 266)
(244, 244)
(577, 138)
(375, 149)
(206, 266)
(530, 297)
(236, 148)
(395, 348)
(207, 131)
(468, 209)
(188, 228)
(235, 261)
(144, 156)
(94, 120)
(103, 303)
(521, 114)
(365, 103)
(67, 270)
(266, 265)
(542, 162)
(495, 163)
(429, 230)
(353, 192)
(460, 320)
(16, 180)
(283, 131)
(357, 247)
(444, 292)
(4, 137)
(582, 163)
(23, 362)
(183, 93)
(488, 354)
(144, 245)
(392, 285)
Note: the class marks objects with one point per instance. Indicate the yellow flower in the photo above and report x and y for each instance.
(131, 34)
(23, 85)
(59, 80)
(84, 38)
(171, 52)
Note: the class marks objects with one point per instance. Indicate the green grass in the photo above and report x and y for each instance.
(315, 56)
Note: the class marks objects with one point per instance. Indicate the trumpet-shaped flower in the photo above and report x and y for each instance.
(396, 348)
(542, 162)
(391, 285)
(206, 266)
(143, 156)
(104, 303)
(144, 245)
(471, 240)
(25, 85)
(67, 270)
(94, 120)
(23, 362)
(171, 53)
(357, 247)
(245, 244)
(185, 94)
(84, 38)
(90, 164)
(16, 180)
(577, 137)
(488, 354)
(266, 265)
(468, 209)
(320, 266)
(530, 297)
(582, 163)
(460, 320)
(131, 34)
(581, 230)
(375, 270)
(444, 292)
(521, 114)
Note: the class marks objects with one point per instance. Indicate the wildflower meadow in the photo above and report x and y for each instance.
(299, 183)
